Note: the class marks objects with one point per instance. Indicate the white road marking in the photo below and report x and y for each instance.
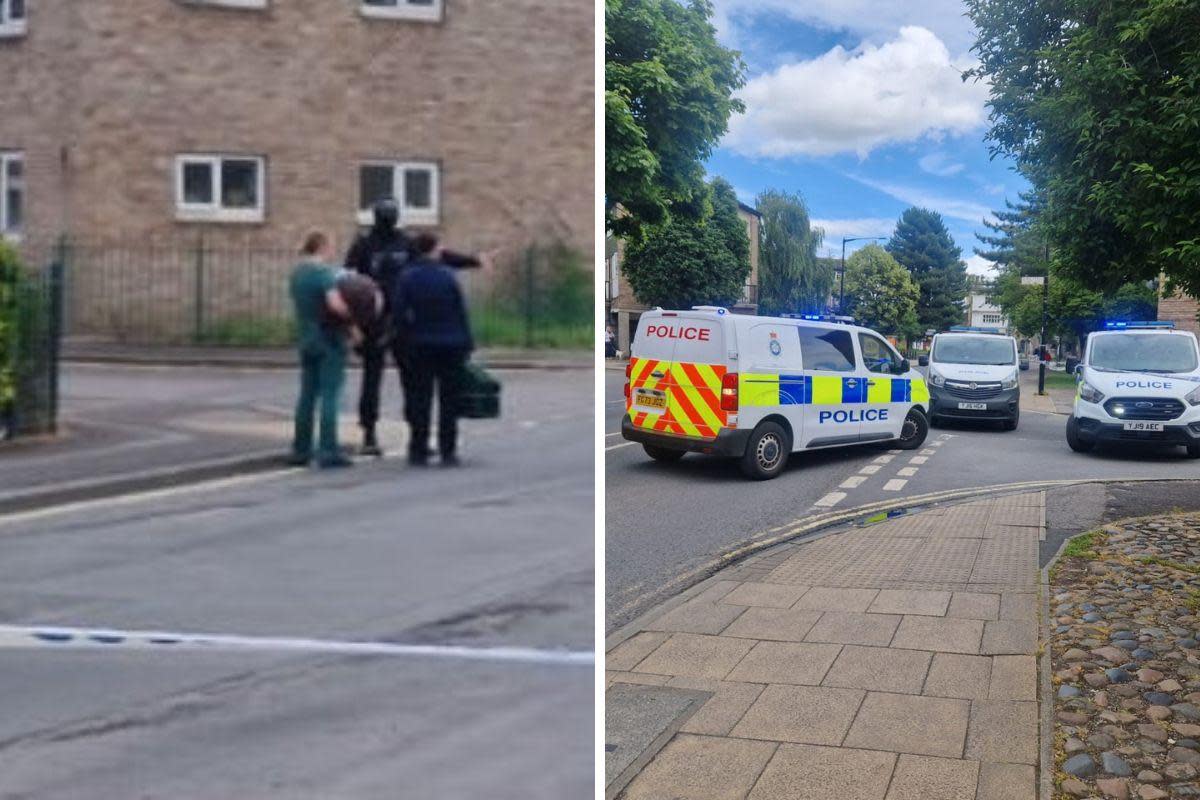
(614, 433)
(853, 482)
(869, 469)
(31, 636)
(895, 451)
(938, 443)
(907, 472)
(830, 500)
(528, 424)
(918, 459)
(894, 485)
(622, 444)
(883, 459)
(927, 452)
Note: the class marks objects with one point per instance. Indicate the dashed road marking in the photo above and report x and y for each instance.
(918, 459)
(927, 452)
(830, 500)
(884, 459)
(869, 469)
(907, 472)
(894, 485)
(622, 444)
(853, 482)
(937, 443)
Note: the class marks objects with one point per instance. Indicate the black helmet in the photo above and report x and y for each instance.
(387, 214)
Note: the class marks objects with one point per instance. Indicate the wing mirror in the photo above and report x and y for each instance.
(1079, 372)
(923, 361)
(903, 367)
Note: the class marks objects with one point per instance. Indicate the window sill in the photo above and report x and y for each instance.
(220, 216)
(12, 30)
(238, 5)
(402, 13)
(430, 220)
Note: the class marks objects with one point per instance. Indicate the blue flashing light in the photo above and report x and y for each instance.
(821, 318)
(1117, 325)
(972, 329)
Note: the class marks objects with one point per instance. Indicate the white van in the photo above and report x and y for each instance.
(1138, 382)
(759, 388)
(973, 375)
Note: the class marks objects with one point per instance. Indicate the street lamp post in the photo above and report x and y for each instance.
(842, 282)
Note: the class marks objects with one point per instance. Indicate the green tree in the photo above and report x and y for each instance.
(790, 278)
(880, 293)
(667, 101)
(1099, 104)
(923, 246)
(691, 261)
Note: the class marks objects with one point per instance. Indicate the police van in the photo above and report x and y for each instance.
(759, 388)
(973, 376)
(1138, 382)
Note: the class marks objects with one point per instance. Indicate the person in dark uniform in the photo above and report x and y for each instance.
(383, 253)
(433, 330)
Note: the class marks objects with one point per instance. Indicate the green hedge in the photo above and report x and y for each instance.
(26, 382)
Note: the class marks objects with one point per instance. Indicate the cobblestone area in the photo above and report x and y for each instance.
(1125, 617)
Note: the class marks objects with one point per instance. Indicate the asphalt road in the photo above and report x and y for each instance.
(499, 552)
(667, 520)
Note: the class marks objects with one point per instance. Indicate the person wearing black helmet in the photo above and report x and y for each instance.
(383, 253)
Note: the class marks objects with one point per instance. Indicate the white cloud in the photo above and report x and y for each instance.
(854, 101)
(978, 265)
(940, 164)
(835, 229)
(873, 20)
(952, 207)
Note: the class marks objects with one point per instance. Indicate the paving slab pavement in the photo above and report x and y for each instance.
(891, 661)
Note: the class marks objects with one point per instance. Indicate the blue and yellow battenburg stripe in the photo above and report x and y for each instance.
(767, 389)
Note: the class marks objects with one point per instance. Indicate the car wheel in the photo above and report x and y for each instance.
(1074, 440)
(667, 454)
(1011, 424)
(767, 451)
(913, 431)
(1193, 450)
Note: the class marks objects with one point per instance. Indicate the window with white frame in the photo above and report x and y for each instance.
(992, 319)
(12, 194)
(413, 185)
(422, 10)
(12, 17)
(220, 188)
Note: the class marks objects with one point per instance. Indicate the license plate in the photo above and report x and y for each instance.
(973, 406)
(650, 400)
(1142, 426)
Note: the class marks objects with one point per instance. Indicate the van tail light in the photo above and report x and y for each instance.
(729, 392)
(628, 373)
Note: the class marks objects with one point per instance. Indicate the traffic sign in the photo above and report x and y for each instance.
(1038, 281)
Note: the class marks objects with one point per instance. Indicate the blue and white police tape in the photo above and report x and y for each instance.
(34, 636)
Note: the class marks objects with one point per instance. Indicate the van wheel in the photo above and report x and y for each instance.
(1193, 450)
(767, 451)
(1011, 424)
(914, 430)
(666, 454)
(1074, 440)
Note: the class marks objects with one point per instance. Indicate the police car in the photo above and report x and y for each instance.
(760, 388)
(973, 375)
(1138, 382)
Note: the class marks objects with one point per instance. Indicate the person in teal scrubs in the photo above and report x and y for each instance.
(323, 322)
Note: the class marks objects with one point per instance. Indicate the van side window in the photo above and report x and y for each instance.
(877, 356)
(824, 349)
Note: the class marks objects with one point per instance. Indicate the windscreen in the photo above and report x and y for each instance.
(996, 350)
(1144, 352)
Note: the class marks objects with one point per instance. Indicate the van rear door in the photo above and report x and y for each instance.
(676, 373)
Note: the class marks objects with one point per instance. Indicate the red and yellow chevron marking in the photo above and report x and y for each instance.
(694, 397)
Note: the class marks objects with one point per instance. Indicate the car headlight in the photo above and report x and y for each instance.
(936, 379)
(1193, 397)
(1010, 382)
(1090, 393)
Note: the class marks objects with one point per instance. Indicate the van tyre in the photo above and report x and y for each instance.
(914, 430)
(1193, 450)
(1074, 440)
(664, 454)
(1011, 424)
(767, 451)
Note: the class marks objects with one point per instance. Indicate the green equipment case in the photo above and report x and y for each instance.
(481, 393)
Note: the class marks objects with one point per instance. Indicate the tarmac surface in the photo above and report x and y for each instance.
(497, 553)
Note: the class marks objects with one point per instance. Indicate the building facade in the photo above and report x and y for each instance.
(624, 309)
(252, 122)
(1180, 309)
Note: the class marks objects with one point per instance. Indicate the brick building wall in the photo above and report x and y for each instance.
(101, 96)
(1181, 310)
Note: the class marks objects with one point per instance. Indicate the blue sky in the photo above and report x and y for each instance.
(859, 107)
